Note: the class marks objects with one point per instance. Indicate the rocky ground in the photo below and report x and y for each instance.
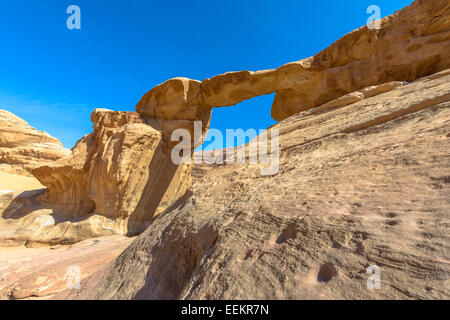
(40, 273)
(23, 148)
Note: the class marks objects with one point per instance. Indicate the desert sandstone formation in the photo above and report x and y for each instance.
(360, 184)
(23, 148)
(116, 180)
(176, 104)
(363, 179)
(122, 177)
(412, 43)
(11, 182)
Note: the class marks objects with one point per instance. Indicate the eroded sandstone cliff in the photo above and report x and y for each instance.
(23, 148)
(116, 181)
(40, 273)
(362, 180)
(119, 172)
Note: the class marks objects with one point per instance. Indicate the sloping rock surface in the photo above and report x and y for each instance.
(116, 181)
(412, 43)
(40, 273)
(361, 185)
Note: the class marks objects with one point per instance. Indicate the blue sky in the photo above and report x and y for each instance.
(54, 77)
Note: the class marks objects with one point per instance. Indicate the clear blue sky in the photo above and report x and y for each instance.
(54, 77)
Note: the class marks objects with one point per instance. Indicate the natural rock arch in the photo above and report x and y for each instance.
(114, 172)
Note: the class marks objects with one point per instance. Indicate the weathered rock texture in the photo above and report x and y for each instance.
(39, 273)
(116, 180)
(23, 148)
(360, 184)
(11, 182)
(122, 174)
(118, 172)
(412, 43)
(176, 104)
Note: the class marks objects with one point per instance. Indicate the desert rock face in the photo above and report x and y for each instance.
(118, 172)
(178, 98)
(116, 180)
(361, 184)
(121, 177)
(23, 148)
(412, 43)
(122, 172)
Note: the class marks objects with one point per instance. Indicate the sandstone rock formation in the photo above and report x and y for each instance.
(23, 148)
(122, 174)
(412, 43)
(118, 172)
(12, 182)
(176, 104)
(360, 184)
(116, 180)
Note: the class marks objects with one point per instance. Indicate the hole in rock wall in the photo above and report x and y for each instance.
(326, 273)
(249, 114)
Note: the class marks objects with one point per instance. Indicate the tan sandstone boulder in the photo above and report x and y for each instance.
(119, 173)
(176, 104)
(412, 43)
(120, 177)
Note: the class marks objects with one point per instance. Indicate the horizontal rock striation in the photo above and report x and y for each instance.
(23, 148)
(119, 171)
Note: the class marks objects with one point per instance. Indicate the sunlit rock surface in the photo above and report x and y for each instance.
(361, 184)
